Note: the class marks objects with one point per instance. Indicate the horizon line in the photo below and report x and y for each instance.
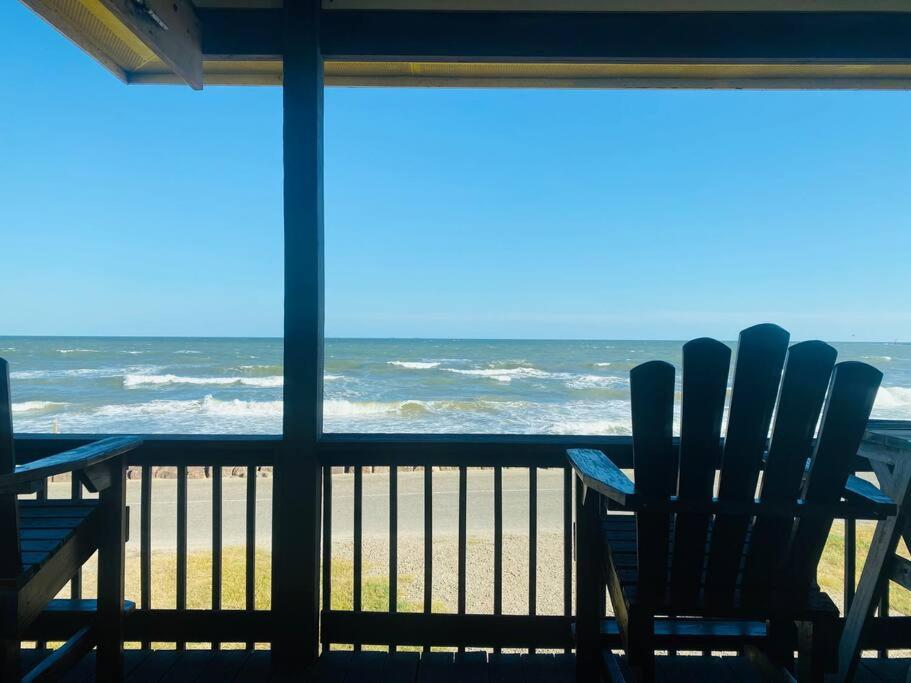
(408, 338)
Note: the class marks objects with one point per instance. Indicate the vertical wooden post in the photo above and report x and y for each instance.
(588, 564)
(111, 553)
(296, 519)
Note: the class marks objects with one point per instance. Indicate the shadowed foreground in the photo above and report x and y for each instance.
(201, 666)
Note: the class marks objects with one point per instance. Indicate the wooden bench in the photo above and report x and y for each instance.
(44, 542)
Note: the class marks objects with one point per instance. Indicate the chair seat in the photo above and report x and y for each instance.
(46, 525)
(619, 533)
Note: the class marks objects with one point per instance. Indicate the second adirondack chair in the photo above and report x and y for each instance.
(695, 569)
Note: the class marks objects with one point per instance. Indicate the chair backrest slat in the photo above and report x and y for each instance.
(706, 363)
(808, 369)
(760, 356)
(652, 403)
(847, 409)
(10, 557)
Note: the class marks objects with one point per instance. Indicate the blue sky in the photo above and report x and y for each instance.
(155, 210)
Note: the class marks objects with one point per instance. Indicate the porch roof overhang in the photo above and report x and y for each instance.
(864, 44)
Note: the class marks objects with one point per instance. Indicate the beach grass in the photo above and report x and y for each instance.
(375, 590)
(830, 573)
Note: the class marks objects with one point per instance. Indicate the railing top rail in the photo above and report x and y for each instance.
(443, 450)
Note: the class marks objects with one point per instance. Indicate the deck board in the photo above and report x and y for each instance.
(245, 666)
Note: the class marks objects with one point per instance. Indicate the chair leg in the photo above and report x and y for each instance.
(641, 644)
(110, 578)
(779, 647)
(9, 660)
(588, 578)
(817, 650)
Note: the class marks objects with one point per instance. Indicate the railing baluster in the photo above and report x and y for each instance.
(145, 542)
(250, 602)
(463, 539)
(850, 563)
(393, 541)
(358, 539)
(884, 612)
(327, 544)
(76, 582)
(497, 542)
(532, 543)
(42, 495)
(216, 541)
(181, 542)
(567, 543)
(428, 541)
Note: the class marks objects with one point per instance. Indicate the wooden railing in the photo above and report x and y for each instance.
(357, 626)
(180, 625)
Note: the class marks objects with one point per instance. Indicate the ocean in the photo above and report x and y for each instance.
(234, 386)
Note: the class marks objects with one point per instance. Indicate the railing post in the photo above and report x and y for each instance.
(296, 520)
(588, 564)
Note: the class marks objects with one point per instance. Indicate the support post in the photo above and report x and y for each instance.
(111, 552)
(296, 519)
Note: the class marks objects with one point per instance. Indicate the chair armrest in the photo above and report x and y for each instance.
(598, 472)
(81, 458)
(868, 495)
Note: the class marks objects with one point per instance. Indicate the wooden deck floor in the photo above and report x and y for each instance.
(203, 666)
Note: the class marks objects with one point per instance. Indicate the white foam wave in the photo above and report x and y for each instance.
(413, 365)
(187, 351)
(130, 381)
(133, 353)
(591, 427)
(77, 351)
(603, 365)
(73, 372)
(205, 406)
(28, 374)
(332, 378)
(344, 408)
(34, 406)
(597, 382)
(505, 374)
(886, 359)
(892, 398)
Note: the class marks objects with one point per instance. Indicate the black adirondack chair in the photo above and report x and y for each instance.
(695, 570)
(44, 542)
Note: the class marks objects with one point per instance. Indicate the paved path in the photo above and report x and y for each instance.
(376, 506)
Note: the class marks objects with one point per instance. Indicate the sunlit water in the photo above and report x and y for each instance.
(198, 385)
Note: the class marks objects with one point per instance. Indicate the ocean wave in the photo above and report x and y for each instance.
(204, 406)
(413, 365)
(35, 406)
(591, 427)
(271, 369)
(886, 359)
(893, 397)
(73, 372)
(187, 351)
(134, 353)
(130, 381)
(78, 351)
(505, 374)
(603, 365)
(332, 378)
(344, 408)
(598, 382)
